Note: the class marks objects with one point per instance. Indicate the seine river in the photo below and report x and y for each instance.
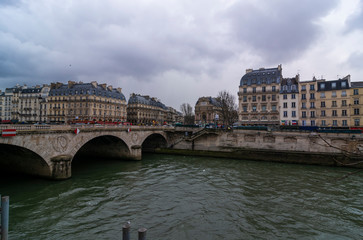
(182, 197)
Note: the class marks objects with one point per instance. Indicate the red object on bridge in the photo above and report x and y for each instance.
(8, 133)
(76, 131)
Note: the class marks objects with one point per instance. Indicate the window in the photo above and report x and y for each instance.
(312, 95)
(335, 122)
(322, 85)
(322, 104)
(244, 108)
(334, 103)
(344, 112)
(303, 88)
(344, 123)
(263, 89)
(334, 113)
(344, 102)
(356, 111)
(303, 122)
(254, 90)
(356, 101)
(253, 98)
(244, 98)
(344, 93)
(303, 114)
(273, 97)
(344, 84)
(334, 94)
(285, 104)
(303, 96)
(322, 95)
(303, 105)
(273, 88)
(356, 122)
(293, 114)
(263, 108)
(312, 105)
(334, 85)
(264, 98)
(312, 114)
(312, 123)
(312, 87)
(322, 113)
(355, 92)
(285, 96)
(254, 108)
(293, 96)
(285, 113)
(323, 123)
(244, 90)
(293, 105)
(273, 107)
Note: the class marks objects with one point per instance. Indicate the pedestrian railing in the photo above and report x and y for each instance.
(4, 213)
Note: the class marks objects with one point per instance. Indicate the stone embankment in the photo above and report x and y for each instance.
(331, 149)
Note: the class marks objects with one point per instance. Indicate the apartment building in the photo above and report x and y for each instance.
(289, 101)
(356, 101)
(85, 102)
(258, 96)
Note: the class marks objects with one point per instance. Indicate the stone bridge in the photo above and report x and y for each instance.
(48, 151)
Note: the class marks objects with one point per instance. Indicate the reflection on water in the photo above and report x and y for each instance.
(177, 197)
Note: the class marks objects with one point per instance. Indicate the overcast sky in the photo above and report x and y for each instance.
(177, 50)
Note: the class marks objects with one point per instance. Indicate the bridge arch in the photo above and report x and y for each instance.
(102, 146)
(15, 158)
(154, 141)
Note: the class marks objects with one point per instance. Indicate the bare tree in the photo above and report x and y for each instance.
(188, 113)
(228, 106)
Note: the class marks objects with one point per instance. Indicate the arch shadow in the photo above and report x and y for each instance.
(152, 142)
(22, 160)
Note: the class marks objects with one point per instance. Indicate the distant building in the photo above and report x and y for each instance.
(29, 106)
(356, 101)
(86, 102)
(289, 101)
(258, 96)
(333, 102)
(146, 110)
(207, 110)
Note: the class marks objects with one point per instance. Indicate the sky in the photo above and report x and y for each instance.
(177, 50)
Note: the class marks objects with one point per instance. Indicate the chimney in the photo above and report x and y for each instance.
(110, 88)
(119, 90)
(249, 70)
(103, 85)
(71, 84)
(94, 84)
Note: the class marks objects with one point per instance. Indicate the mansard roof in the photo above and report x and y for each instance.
(357, 84)
(211, 100)
(334, 85)
(137, 98)
(262, 76)
(290, 85)
(86, 89)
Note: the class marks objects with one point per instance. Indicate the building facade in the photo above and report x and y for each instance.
(85, 102)
(146, 110)
(289, 101)
(258, 96)
(207, 110)
(356, 101)
(333, 103)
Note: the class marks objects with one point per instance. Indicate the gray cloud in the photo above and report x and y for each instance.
(278, 30)
(355, 22)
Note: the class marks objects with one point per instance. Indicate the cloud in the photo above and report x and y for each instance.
(278, 30)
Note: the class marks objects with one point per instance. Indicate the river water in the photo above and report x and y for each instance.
(183, 197)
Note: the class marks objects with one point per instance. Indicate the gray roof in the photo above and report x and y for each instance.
(357, 84)
(211, 100)
(262, 75)
(86, 89)
(289, 85)
(135, 98)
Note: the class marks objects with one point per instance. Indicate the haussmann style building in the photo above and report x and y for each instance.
(258, 96)
(86, 102)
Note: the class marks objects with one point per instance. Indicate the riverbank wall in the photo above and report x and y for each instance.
(329, 149)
